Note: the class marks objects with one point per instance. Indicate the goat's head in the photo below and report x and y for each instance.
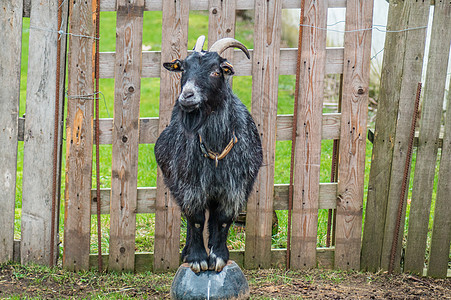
(204, 74)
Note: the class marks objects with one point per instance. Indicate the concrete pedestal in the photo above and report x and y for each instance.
(230, 283)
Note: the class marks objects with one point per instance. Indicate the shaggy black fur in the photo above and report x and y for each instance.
(207, 107)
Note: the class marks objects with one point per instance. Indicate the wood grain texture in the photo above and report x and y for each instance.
(79, 134)
(221, 23)
(308, 137)
(143, 260)
(109, 5)
(398, 89)
(149, 127)
(417, 14)
(39, 133)
(146, 197)
(11, 39)
(265, 77)
(354, 110)
(152, 62)
(375, 243)
(167, 214)
(124, 179)
(431, 116)
(26, 8)
(441, 232)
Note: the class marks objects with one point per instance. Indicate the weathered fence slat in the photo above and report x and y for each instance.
(167, 214)
(127, 94)
(147, 195)
(109, 5)
(152, 63)
(308, 139)
(402, 67)
(221, 23)
(428, 140)
(411, 75)
(143, 260)
(79, 135)
(148, 128)
(265, 76)
(441, 233)
(354, 109)
(39, 132)
(11, 39)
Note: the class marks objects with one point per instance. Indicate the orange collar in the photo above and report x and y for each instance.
(214, 155)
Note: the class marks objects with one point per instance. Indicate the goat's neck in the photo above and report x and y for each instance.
(218, 128)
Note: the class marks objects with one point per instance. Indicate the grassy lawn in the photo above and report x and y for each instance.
(149, 107)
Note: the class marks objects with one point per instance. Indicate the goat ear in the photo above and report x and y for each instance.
(173, 66)
(227, 68)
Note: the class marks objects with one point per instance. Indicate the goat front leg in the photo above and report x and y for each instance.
(218, 226)
(194, 252)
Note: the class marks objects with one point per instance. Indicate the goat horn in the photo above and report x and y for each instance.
(221, 45)
(199, 44)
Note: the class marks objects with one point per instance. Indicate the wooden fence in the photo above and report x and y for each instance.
(128, 64)
(126, 131)
(36, 131)
(401, 71)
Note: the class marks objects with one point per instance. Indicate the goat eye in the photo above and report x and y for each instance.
(215, 74)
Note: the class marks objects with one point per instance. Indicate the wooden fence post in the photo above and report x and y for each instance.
(167, 213)
(265, 79)
(11, 40)
(39, 125)
(431, 117)
(441, 233)
(79, 138)
(308, 138)
(127, 94)
(354, 108)
(401, 71)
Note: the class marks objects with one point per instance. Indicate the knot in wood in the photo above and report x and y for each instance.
(122, 250)
(124, 139)
(214, 11)
(131, 89)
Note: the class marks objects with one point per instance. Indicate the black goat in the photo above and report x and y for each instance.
(210, 153)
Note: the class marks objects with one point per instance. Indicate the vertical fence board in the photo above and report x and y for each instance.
(308, 138)
(79, 138)
(441, 233)
(265, 77)
(412, 65)
(221, 23)
(403, 62)
(11, 39)
(382, 155)
(39, 136)
(354, 109)
(428, 139)
(124, 177)
(167, 213)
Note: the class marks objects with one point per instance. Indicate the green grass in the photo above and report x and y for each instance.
(149, 107)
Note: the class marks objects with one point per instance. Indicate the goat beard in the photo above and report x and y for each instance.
(192, 121)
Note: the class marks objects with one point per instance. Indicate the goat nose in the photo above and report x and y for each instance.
(188, 94)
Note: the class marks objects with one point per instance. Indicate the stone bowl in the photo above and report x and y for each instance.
(230, 283)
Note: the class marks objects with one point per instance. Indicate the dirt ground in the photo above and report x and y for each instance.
(36, 282)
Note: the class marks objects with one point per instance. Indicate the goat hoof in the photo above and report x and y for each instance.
(204, 265)
(198, 266)
(195, 267)
(216, 263)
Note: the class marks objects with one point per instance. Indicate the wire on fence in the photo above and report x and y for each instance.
(376, 27)
(62, 32)
(90, 97)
